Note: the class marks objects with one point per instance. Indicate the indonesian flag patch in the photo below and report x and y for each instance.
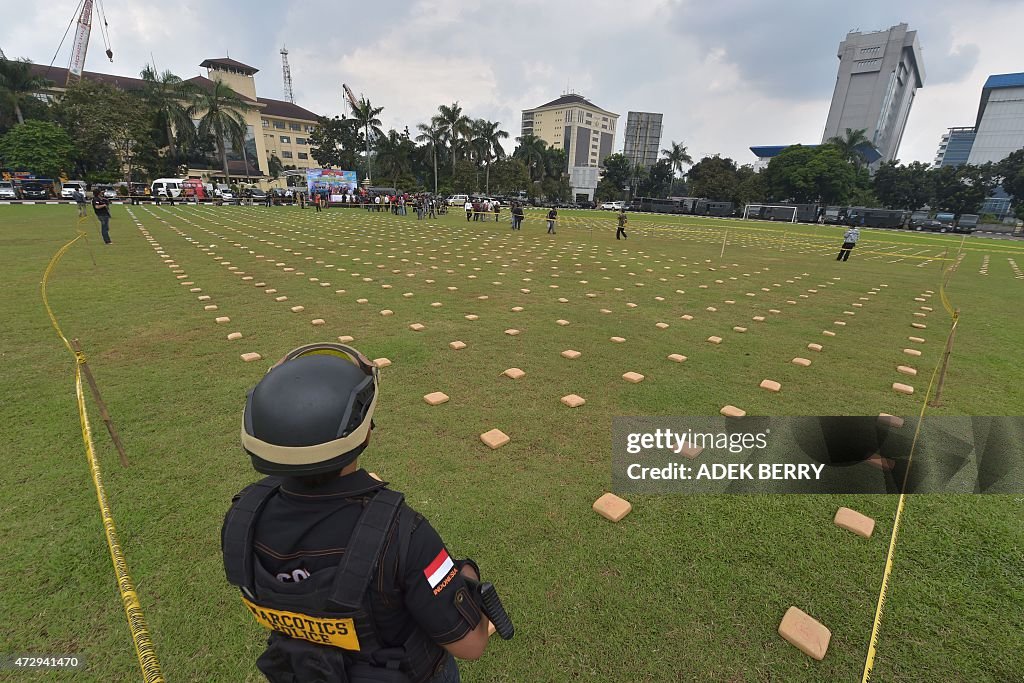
(437, 570)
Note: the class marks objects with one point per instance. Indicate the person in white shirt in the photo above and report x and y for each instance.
(469, 210)
(849, 242)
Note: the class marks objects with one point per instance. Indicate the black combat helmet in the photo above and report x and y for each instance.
(311, 412)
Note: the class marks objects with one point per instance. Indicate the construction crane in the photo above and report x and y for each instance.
(81, 43)
(349, 97)
(287, 71)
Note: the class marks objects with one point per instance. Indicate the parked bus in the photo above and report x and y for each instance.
(876, 218)
(706, 207)
(835, 215)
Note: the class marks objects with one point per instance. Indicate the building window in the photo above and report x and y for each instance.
(286, 139)
(303, 155)
(604, 118)
(279, 125)
(266, 124)
(286, 154)
(294, 126)
(300, 141)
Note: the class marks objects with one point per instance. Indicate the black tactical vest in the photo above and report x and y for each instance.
(322, 628)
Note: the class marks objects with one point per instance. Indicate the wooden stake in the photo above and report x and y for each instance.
(99, 401)
(937, 401)
(724, 238)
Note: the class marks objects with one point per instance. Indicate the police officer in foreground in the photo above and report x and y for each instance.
(353, 584)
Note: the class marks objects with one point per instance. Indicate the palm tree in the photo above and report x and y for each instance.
(17, 84)
(432, 137)
(173, 100)
(455, 125)
(677, 156)
(393, 156)
(222, 119)
(849, 143)
(487, 138)
(365, 115)
(531, 151)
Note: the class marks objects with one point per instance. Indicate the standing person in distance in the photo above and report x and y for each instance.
(101, 207)
(79, 198)
(469, 210)
(621, 230)
(352, 583)
(850, 239)
(552, 217)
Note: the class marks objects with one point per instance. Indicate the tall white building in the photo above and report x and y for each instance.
(585, 131)
(1000, 124)
(879, 73)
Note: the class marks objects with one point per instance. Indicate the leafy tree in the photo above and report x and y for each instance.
(394, 157)
(38, 146)
(336, 142)
(810, 174)
(18, 85)
(657, 180)
(104, 124)
(432, 138)
(173, 101)
(511, 175)
(848, 143)
(365, 114)
(677, 156)
(903, 187)
(556, 189)
(455, 125)
(274, 167)
(487, 138)
(464, 179)
(963, 189)
(714, 178)
(222, 118)
(1011, 170)
(751, 186)
(531, 151)
(615, 176)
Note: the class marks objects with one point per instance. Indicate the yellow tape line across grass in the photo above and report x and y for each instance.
(132, 608)
(869, 663)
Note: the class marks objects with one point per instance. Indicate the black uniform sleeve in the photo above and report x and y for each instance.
(436, 594)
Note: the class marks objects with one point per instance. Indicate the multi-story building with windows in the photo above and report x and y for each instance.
(642, 139)
(1000, 122)
(955, 147)
(879, 73)
(285, 126)
(585, 131)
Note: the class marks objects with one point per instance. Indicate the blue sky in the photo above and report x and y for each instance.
(726, 75)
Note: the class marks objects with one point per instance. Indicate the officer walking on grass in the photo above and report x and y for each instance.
(352, 583)
(101, 207)
(849, 242)
(621, 230)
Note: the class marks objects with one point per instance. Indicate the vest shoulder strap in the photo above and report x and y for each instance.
(239, 528)
(364, 548)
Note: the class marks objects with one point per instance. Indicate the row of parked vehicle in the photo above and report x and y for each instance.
(173, 188)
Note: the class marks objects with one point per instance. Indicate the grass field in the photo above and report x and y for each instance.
(687, 588)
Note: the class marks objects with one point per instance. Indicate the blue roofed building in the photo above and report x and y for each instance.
(1000, 123)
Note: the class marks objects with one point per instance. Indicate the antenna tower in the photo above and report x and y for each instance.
(287, 71)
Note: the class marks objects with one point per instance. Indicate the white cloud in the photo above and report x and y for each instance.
(725, 75)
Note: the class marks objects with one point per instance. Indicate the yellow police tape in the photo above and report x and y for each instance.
(869, 663)
(132, 608)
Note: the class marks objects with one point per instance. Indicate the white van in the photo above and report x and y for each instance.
(458, 199)
(67, 189)
(166, 187)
